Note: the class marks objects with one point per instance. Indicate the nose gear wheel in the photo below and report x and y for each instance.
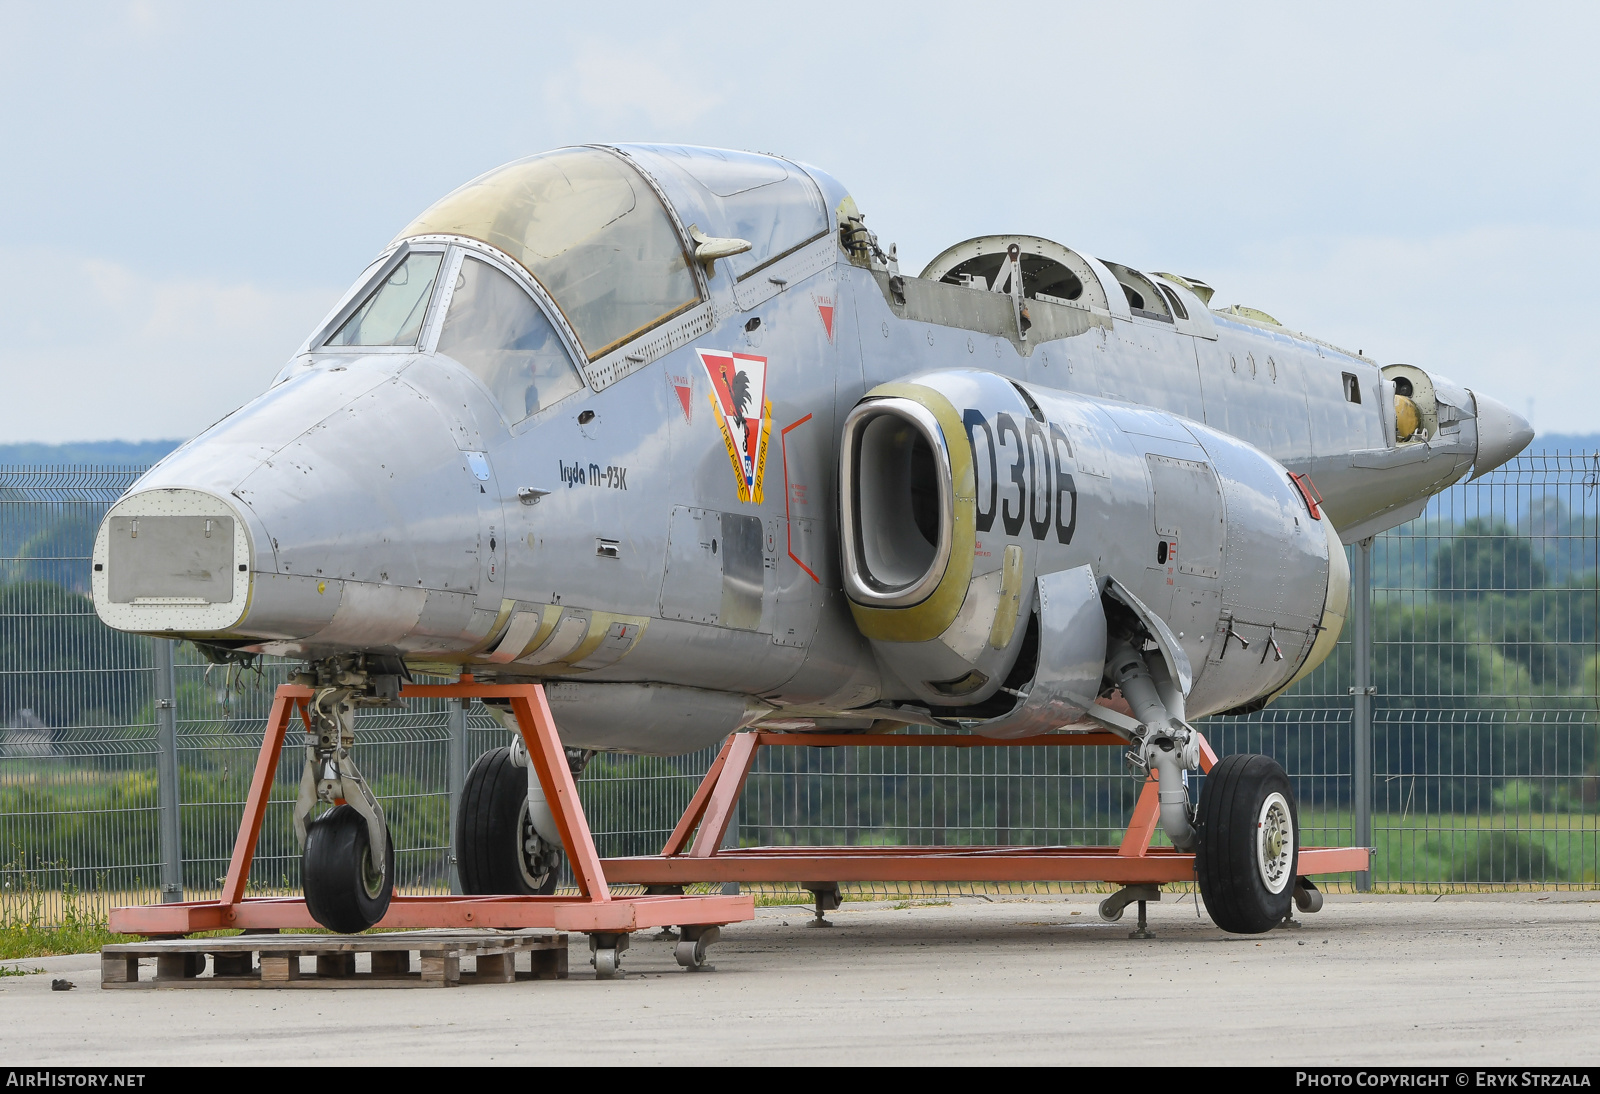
(346, 890)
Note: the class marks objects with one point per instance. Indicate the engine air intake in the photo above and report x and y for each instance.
(898, 505)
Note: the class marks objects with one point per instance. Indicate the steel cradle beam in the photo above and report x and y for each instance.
(1134, 861)
(596, 910)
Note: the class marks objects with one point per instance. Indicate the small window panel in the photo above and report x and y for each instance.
(1352, 388)
(392, 315)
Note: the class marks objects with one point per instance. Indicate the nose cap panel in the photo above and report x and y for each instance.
(172, 560)
(1502, 433)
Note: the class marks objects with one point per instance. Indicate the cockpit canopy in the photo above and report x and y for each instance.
(589, 228)
(605, 232)
(771, 203)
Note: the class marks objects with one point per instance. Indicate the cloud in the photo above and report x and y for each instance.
(619, 86)
(100, 350)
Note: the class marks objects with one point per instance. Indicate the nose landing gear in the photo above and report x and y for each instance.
(347, 855)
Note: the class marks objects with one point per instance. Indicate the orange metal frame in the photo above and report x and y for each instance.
(595, 910)
(710, 811)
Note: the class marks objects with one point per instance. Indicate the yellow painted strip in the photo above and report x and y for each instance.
(1005, 617)
(1334, 608)
(547, 627)
(498, 628)
(600, 624)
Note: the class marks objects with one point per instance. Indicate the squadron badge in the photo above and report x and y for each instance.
(739, 397)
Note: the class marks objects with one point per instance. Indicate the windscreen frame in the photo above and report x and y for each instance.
(377, 273)
(460, 248)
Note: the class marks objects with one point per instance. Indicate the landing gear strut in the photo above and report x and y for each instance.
(347, 856)
(507, 842)
(1245, 831)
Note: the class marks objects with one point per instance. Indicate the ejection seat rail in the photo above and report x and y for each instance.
(1133, 862)
(594, 910)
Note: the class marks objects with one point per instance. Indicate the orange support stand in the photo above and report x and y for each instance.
(706, 819)
(595, 910)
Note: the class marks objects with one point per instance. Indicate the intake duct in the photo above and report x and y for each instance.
(897, 501)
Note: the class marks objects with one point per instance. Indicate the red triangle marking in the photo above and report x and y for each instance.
(826, 311)
(686, 397)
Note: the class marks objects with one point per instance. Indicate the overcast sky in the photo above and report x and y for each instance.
(186, 188)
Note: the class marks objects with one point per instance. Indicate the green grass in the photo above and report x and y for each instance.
(78, 925)
(40, 941)
(1454, 850)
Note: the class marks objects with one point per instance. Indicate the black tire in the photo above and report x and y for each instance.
(1245, 875)
(493, 831)
(344, 892)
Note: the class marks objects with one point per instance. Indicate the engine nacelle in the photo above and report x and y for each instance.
(961, 490)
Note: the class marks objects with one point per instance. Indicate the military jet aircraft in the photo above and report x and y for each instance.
(667, 430)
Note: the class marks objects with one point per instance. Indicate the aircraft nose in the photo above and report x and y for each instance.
(1502, 433)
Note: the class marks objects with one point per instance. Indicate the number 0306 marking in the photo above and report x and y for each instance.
(1040, 493)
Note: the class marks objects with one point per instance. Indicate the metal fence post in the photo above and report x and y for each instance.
(1361, 705)
(166, 689)
(456, 765)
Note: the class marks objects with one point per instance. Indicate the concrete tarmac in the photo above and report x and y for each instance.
(1507, 979)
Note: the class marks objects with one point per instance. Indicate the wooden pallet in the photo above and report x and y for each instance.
(273, 960)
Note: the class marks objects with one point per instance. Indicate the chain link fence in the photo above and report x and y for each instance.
(1462, 745)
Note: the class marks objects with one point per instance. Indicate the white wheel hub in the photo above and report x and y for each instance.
(1275, 843)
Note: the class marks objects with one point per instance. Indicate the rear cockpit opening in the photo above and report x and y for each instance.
(1144, 299)
(1416, 406)
(1039, 276)
(1050, 272)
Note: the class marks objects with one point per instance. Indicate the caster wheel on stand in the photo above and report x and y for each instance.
(1249, 844)
(691, 950)
(605, 954)
(345, 890)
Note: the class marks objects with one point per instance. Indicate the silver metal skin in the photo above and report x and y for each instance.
(384, 503)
